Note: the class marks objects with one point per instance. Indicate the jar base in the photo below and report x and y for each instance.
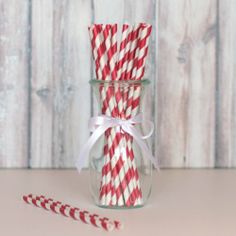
(120, 207)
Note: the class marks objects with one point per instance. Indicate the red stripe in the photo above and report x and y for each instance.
(93, 219)
(52, 207)
(82, 216)
(34, 202)
(97, 31)
(104, 223)
(62, 209)
(25, 198)
(43, 205)
(107, 35)
(72, 213)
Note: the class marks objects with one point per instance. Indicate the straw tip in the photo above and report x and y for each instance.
(119, 225)
(110, 226)
(25, 198)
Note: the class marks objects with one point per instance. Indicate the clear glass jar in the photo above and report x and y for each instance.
(120, 172)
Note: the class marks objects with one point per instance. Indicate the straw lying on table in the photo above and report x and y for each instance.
(72, 212)
(120, 184)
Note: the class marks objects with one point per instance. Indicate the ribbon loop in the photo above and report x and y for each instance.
(99, 124)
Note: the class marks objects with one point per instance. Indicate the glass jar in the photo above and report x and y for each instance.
(120, 172)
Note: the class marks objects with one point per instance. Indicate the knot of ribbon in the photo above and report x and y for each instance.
(99, 124)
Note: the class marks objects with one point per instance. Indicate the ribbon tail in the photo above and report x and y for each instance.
(144, 148)
(151, 126)
(84, 153)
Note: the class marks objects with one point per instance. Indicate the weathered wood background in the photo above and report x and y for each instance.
(45, 66)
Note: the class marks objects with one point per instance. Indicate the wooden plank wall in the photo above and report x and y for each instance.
(14, 83)
(61, 69)
(186, 77)
(45, 66)
(226, 86)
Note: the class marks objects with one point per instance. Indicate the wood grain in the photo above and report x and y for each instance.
(14, 42)
(186, 83)
(45, 103)
(62, 99)
(42, 84)
(200, 138)
(226, 86)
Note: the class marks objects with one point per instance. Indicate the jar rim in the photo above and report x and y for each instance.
(141, 82)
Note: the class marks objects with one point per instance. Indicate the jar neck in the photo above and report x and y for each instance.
(120, 83)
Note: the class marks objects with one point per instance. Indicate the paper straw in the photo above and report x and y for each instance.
(114, 41)
(121, 173)
(141, 54)
(134, 93)
(107, 107)
(112, 140)
(139, 68)
(127, 96)
(122, 55)
(112, 136)
(107, 33)
(133, 47)
(122, 66)
(72, 212)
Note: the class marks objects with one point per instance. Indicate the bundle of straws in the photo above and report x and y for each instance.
(120, 184)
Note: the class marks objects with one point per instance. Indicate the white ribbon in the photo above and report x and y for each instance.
(99, 124)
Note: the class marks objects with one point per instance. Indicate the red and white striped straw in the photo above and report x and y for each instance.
(139, 68)
(120, 180)
(121, 67)
(118, 170)
(72, 212)
(133, 47)
(128, 176)
(114, 43)
(109, 108)
(94, 31)
(137, 74)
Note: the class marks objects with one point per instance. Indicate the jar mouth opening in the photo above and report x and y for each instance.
(120, 82)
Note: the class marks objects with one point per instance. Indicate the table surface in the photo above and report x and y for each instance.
(183, 202)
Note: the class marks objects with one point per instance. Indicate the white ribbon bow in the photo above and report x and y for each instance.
(99, 124)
